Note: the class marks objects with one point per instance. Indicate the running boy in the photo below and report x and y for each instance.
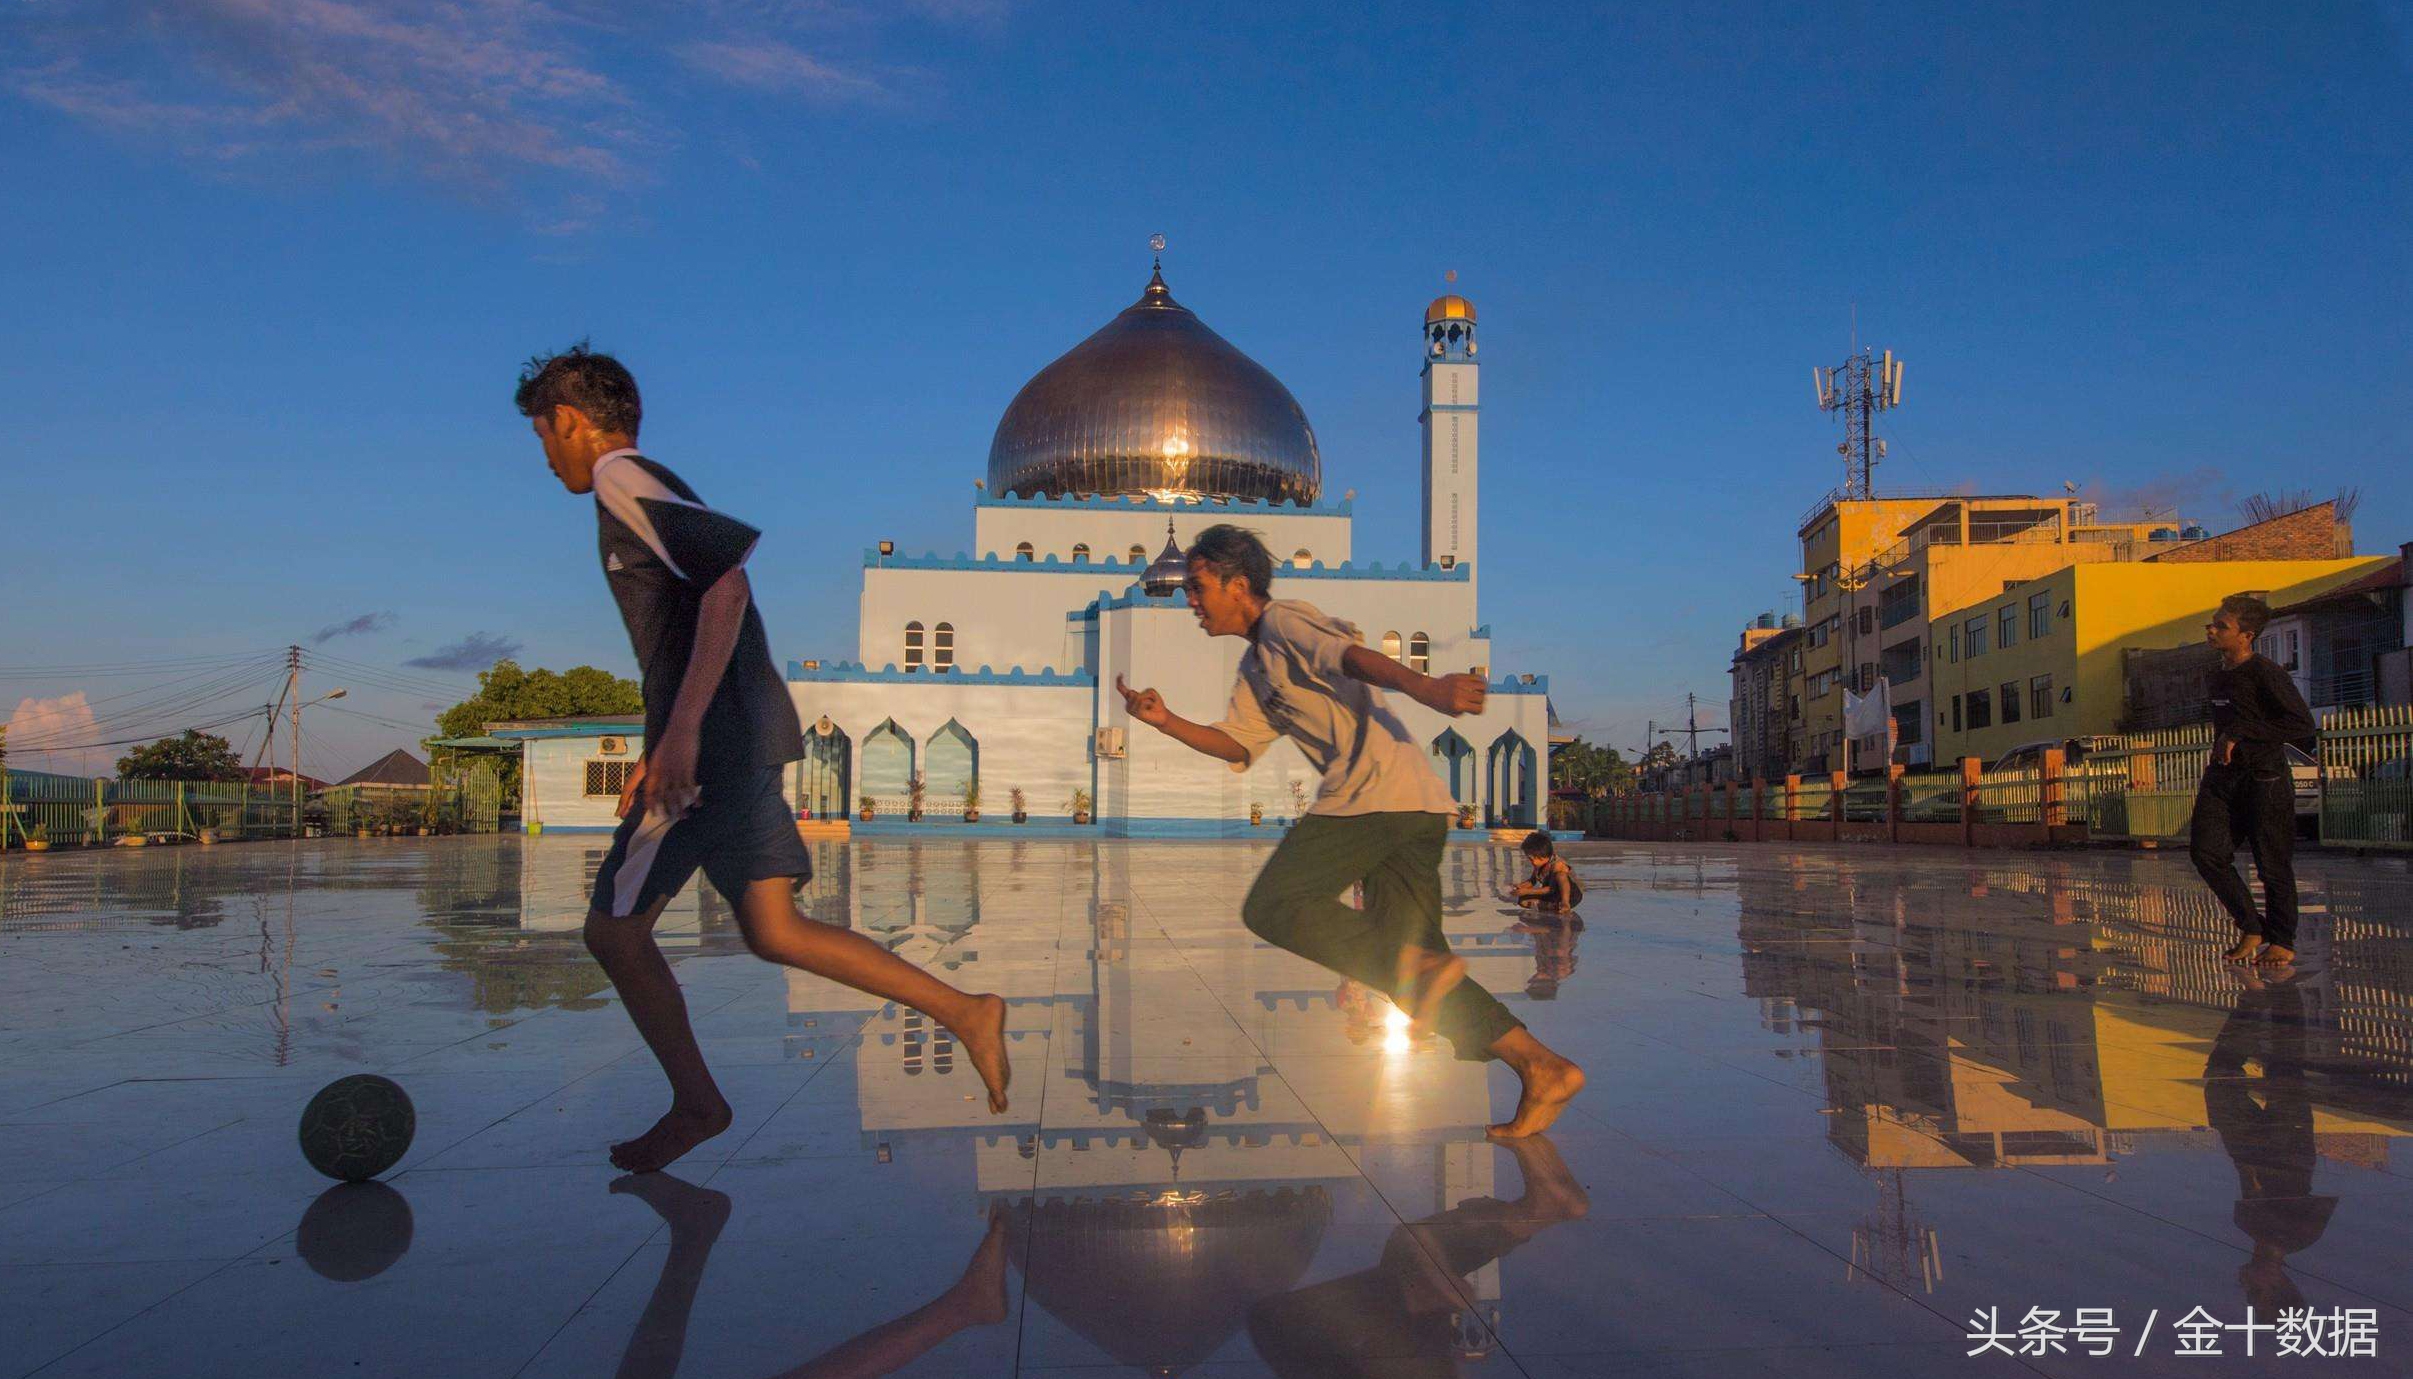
(718, 727)
(1381, 817)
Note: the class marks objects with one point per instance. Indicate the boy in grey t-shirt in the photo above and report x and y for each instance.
(1381, 817)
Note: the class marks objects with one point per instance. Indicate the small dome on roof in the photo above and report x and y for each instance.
(1165, 575)
(1449, 307)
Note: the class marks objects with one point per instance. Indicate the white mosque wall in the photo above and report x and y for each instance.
(1111, 527)
(1442, 609)
(1003, 614)
(1033, 735)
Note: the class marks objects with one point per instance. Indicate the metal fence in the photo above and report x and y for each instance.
(2138, 787)
(64, 812)
(2367, 777)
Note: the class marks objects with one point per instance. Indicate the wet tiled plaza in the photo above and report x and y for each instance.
(1843, 1101)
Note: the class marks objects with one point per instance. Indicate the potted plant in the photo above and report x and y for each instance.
(1021, 815)
(972, 802)
(914, 794)
(1466, 816)
(1256, 813)
(869, 806)
(37, 838)
(1080, 805)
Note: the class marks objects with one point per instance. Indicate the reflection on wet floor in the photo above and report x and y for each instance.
(1841, 1099)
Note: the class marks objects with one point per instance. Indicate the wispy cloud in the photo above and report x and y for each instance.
(766, 64)
(476, 651)
(2196, 492)
(361, 626)
(481, 94)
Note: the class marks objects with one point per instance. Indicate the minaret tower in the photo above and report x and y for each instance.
(1449, 420)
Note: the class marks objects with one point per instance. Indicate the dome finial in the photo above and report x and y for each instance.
(1157, 291)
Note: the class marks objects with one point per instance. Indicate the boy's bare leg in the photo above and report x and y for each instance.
(1550, 1083)
(695, 1216)
(778, 932)
(650, 993)
(976, 1299)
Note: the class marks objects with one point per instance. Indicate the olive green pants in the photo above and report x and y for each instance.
(1296, 906)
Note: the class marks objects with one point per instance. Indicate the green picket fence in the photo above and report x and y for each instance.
(67, 812)
(2367, 777)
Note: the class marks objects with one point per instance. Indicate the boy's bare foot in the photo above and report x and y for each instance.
(983, 1038)
(2275, 955)
(694, 1214)
(1439, 974)
(1550, 1083)
(1549, 1185)
(679, 1130)
(2245, 949)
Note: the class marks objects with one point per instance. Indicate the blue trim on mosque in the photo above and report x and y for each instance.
(1128, 503)
(1484, 632)
(856, 673)
(1055, 565)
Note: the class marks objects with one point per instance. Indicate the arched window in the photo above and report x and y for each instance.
(942, 647)
(1022, 551)
(1420, 654)
(1080, 551)
(1139, 555)
(1302, 558)
(887, 766)
(951, 765)
(913, 646)
(1390, 645)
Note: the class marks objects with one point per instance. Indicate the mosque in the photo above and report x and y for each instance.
(992, 670)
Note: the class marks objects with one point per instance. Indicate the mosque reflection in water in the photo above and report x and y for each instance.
(1183, 1191)
(2043, 1014)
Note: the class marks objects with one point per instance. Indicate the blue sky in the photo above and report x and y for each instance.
(281, 263)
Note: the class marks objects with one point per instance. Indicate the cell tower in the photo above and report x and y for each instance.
(1860, 387)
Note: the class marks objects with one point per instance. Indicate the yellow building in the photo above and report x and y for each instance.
(2042, 659)
(1874, 572)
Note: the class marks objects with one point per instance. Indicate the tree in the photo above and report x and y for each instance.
(194, 756)
(507, 692)
(1595, 770)
(1660, 754)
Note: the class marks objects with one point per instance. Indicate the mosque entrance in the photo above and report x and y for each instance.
(1511, 769)
(824, 773)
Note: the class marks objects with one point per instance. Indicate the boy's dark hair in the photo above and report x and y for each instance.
(1537, 843)
(2251, 613)
(1235, 553)
(595, 384)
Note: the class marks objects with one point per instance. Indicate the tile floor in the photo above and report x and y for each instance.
(1842, 1100)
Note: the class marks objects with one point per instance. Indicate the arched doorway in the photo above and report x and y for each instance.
(951, 765)
(1509, 772)
(1454, 758)
(822, 776)
(888, 765)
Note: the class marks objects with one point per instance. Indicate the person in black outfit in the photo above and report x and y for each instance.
(719, 727)
(2248, 793)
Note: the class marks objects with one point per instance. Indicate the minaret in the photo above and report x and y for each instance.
(1449, 418)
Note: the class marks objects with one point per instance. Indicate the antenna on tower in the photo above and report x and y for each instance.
(1859, 388)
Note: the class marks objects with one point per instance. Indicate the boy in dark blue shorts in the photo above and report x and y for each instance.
(719, 725)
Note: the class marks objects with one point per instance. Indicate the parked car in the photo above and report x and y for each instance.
(2027, 756)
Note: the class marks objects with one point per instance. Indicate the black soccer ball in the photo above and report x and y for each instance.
(357, 1127)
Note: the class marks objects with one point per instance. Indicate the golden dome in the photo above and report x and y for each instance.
(1156, 403)
(1450, 307)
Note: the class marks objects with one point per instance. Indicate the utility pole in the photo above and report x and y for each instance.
(293, 697)
(1860, 387)
(1692, 727)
